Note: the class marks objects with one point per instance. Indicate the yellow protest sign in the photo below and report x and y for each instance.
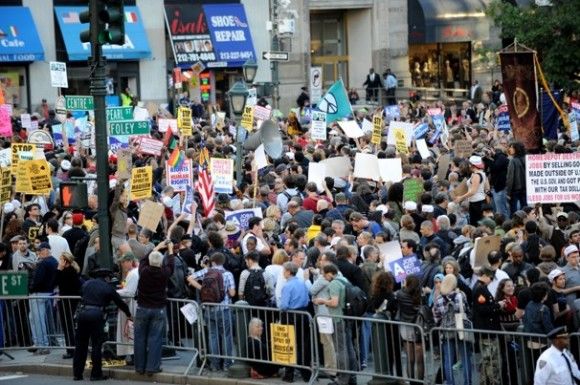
(33, 177)
(5, 185)
(401, 141)
(248, 118)
(184, 121)
(377, 129)
(141, 182)
(18, 148)
(283, 340)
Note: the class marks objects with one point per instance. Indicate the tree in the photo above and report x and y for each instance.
(552, 31)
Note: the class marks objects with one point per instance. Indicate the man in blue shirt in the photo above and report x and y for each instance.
(295, 297)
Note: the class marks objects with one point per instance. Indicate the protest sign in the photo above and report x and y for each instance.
(368, 166)
(222, 174)
(252, 99)
(167, 124)
(179, 177)
(189, 200)
(392, 112)
(337, 167)
(118, 142)
(421, 130)
(16, 149)
(553, 178)
(242, 217)
(391, 170)
(33, 177)
(443, 166)
(503, 118)
(5, 157)
(5, 120)
(401, 268)
(408, 128)
(401, 141)
(422, 148)
(150, 146)
(150, 214)
(440, 128)
(316, 174)
(351, 129)
(141, 182)
(367, 126)
(184, 122)
(124, 163)
(377, 129)
(459, 190)
(260, 157)
(483, 246)
(283, 340)
(33, 126)
(22, 180)
(5, 185)
(58, 76)
(463, 148)
(262, 113)
(573, 120)
(412, 189)
(390, 251)
(318, 126)
(25, 120)
(248, 118)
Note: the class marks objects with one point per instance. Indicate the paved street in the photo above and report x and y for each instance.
(35, 379)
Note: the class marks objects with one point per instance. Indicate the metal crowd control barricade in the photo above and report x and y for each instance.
(485, 356)
(398, 348)
(288, 339)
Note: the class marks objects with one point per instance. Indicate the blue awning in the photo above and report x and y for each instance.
(136, 44)
(230, 33)
(19, 40)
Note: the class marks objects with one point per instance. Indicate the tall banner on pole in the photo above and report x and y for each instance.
(520, 87)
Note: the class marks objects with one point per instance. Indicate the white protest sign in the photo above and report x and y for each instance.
(315, 84)
(252, 97)
(337, 167)
(366, 166)
(318, 125)
(367, 126)
(391, 251)
(316, 174)
(150, 146)
(140, 113)
(242, 217)
(391, 170)
(262, 113)
(25, 120)
(351, 129)
(260, 157)
(422, 148)
(222, 174)
(189, 311)
(164, 124)
(58, 77)
(5, 157)
(407, 127)
(179, 177)
(553, 178)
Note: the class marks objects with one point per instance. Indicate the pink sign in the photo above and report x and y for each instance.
(5, 121)
(150, 146)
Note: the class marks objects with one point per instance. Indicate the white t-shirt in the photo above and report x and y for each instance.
(58, 245)
(259, 244)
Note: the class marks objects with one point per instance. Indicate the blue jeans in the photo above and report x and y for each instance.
(150, 329)
(450, 347)
(221, 340)
(518, 201)
(500, 202)
(39, 308)
(365, 339)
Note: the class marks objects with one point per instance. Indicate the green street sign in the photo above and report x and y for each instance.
(79, 103)
(132, 127)
(119, 114)
(13, 283)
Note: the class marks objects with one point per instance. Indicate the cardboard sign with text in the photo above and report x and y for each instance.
(150, 214)
(222, 175)
(141, 182)
(463, 148)
(124, 163)
(483, 246)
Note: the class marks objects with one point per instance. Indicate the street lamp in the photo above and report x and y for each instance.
(250, 69)
(238, 95)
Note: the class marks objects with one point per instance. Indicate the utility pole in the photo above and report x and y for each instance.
(274, 47)
(106, 18)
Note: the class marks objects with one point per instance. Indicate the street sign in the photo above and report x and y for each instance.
(13, 283)
(79, 103)
(132, 127)
(119, 114)
(275, 56)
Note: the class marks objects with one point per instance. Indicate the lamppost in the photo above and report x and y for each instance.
(238, 95)
(250, 69)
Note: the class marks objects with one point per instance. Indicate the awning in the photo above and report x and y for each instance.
(19, 40)
(136, 44)
(218, 35)
(436, 21)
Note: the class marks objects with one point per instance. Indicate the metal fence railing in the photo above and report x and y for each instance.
(239, 337)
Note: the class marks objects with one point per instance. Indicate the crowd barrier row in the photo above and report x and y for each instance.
(215, 337)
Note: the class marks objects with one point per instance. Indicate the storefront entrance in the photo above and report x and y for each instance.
(328, 46)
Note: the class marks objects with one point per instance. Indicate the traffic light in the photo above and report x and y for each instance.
(85, 17)
(73, 195)
(112, 17)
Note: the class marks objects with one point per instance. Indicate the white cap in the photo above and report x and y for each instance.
(65, 165)
(570, 249)
(476, 161)
(554, 273)
(427, 208)
(383, 208)
(410, 205)
(168, 202)
(8, 208)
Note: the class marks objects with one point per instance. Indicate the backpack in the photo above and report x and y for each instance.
(355, 300)
(255, 292)
(448, 320)
(465, 264)
(425, 321)
(212, 287)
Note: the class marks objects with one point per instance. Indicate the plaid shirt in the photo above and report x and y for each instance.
(440, 306)
(228, 281)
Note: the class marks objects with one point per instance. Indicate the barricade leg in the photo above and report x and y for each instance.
(386, 351)
(240, 369)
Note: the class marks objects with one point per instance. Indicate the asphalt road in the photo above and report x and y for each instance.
(35, 379)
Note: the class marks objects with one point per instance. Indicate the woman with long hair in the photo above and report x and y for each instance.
(508, 322)
(395, 200)
(409, 298)
(68, 281)
(515, 187)
(477, 185)
(384, 304)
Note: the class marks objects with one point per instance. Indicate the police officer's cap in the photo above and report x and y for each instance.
(101, 273)
(558, 332)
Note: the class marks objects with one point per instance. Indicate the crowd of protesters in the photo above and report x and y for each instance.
(309, 243)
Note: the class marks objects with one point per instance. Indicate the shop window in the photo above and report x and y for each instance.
(442, 65)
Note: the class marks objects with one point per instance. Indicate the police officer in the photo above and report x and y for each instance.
(96, 294)
(556, 365)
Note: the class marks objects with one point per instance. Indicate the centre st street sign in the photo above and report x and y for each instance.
(13, 283)
(132, 127)
(79, 103)
(119, 114)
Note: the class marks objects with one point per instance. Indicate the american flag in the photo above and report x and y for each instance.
(71, 18)
(204, 185)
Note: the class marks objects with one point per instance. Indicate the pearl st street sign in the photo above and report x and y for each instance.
(119, 114)
(79, 103)
(132, 127)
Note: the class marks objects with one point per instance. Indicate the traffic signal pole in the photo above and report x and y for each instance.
(97, 66)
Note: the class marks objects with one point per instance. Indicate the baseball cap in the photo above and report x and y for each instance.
(65, 165)
(487, 222)
(44, 245)
(554, 274)
(562, 214)
(476, 161)
(427, 208)
(570, 249)
(410, 205)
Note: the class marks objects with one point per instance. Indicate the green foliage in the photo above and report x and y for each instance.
(552, 31)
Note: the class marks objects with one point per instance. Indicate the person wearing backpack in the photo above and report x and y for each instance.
(336, 304)
(256, 286)
(450, 302)
(217, 288)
